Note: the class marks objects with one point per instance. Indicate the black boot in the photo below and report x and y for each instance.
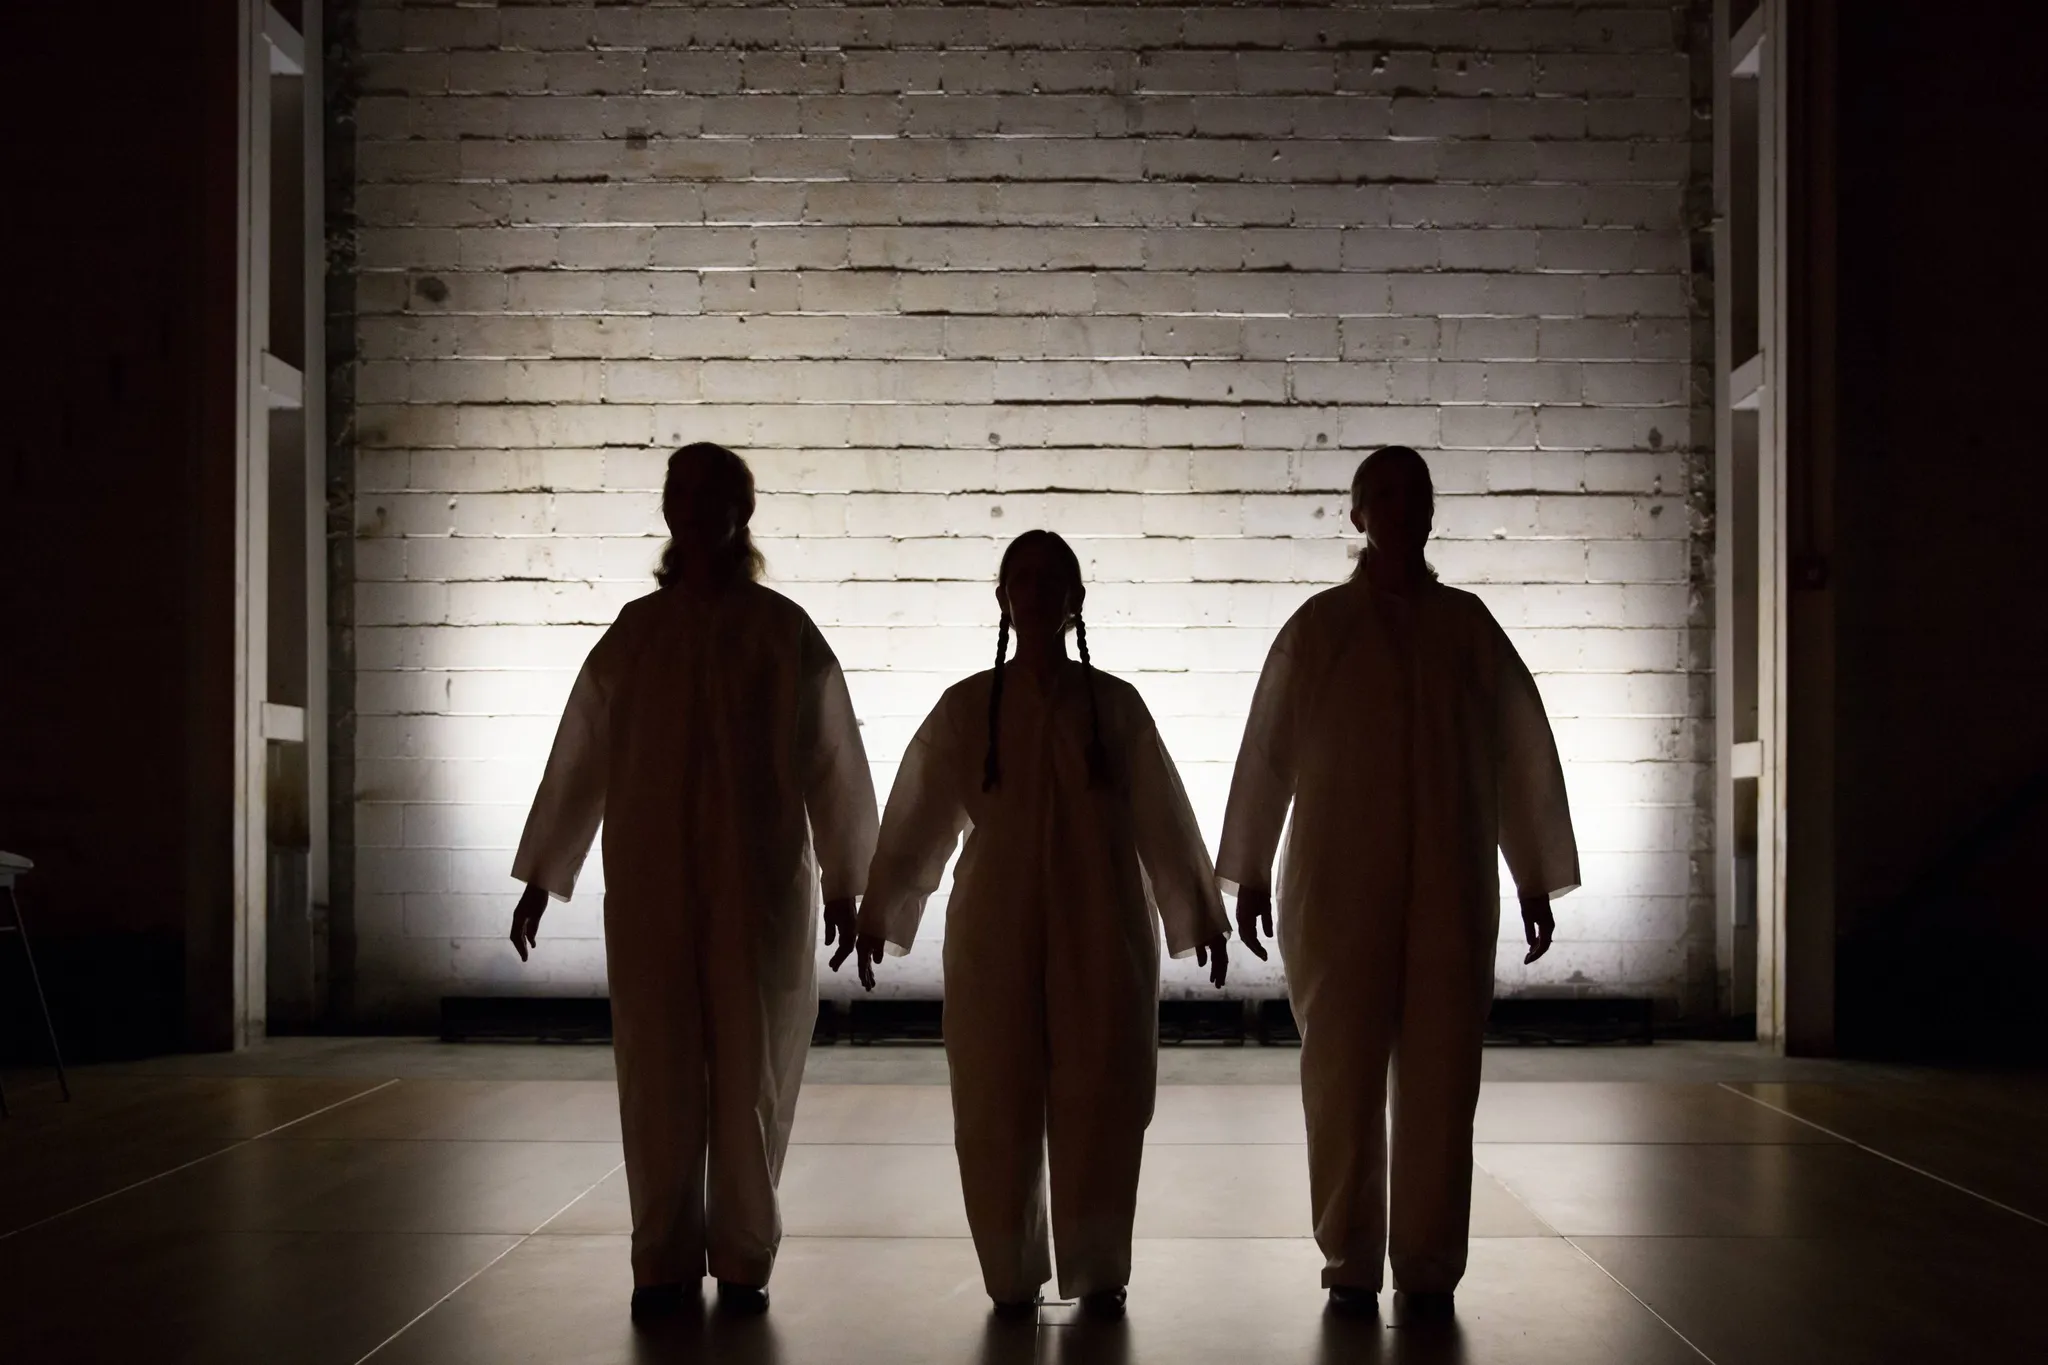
(651, 1301)
(1426, 1306)
(1015, 1311)
(743, 1300)
(1107, 1305)
(1352, 1301)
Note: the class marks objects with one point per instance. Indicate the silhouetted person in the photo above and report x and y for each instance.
(1080, 842)
(1409, 738)
(711, 731)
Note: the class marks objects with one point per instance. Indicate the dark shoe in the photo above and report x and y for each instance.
(744, 1300)
(651, 1301)
(1430, 1306)
(1106, 1305)
(1352, 1301)
(1015, 1311)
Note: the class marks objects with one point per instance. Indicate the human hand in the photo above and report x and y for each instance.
(1215, 955)
(1538, 924)
(1254, 908)
(533, 902)
(871, 950)
(839, 922)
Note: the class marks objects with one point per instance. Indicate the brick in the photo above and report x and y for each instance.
(1292, 338)
(1630, 383)
(1635, 295)
(1489, 428)
(1604, 428)
(1439, 295)
(1367, 428)
(1350, 382)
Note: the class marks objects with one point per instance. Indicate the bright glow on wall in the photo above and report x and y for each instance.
(1156, 279)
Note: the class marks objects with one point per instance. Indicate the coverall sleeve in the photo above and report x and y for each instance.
(839, 789)
(1170, 843)
(920, 829)
(570, 803)
(1535, 814)
(1262, 785)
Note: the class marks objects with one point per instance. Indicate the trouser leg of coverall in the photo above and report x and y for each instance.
(1098, 1104)
(1435, 1093)
(658, 1047)
(995, 1050)
(758, 1023)
(1348, 1013)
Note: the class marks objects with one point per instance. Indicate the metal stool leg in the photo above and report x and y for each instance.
(35, 977)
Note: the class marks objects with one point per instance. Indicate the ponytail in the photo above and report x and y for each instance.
(1098, 753)
(992, 765)
(732, 483)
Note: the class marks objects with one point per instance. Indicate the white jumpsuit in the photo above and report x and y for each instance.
(1051, 957)
(1411, 741)
(715, 739)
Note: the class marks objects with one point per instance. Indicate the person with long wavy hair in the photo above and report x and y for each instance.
(1081, 847)
(712, 734)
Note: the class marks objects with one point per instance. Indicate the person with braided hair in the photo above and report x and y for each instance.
(1081, 847)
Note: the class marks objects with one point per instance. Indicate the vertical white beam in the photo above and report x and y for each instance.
(1772, 815)
(252, 540)
(248, 391)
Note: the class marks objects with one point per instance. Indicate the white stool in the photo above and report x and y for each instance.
(13, 867)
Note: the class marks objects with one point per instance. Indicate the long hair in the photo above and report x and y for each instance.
(1098, 754)
(730, 482)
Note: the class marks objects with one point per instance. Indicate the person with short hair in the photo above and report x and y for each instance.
(1081, 846)
(712, 733)
(1397, 721)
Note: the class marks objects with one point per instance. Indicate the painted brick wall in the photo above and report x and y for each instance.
(1155, 276)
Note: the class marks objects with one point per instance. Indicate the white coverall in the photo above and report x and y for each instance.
(715, 739)
(1411, 741)
(1051, 957)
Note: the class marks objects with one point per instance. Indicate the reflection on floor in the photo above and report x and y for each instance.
(402, 1202)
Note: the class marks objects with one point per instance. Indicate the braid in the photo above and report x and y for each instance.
(1098, 756)
(992, 766)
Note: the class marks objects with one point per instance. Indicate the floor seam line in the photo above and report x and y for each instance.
(187, 1165)
(472, 1277)
(616, 1168)
(1885, 1156)
(1594, 1261)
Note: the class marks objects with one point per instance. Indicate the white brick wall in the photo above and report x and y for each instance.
(1155, 276)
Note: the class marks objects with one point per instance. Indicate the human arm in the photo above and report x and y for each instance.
(1536, 836)
(569, 805)
(839, 792)
(1261, 789)
(920, 829)
(1170, 846)
(1254, 914)
(1538, 925)
(533, 903)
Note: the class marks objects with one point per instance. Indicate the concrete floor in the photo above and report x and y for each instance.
(398, 1200)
